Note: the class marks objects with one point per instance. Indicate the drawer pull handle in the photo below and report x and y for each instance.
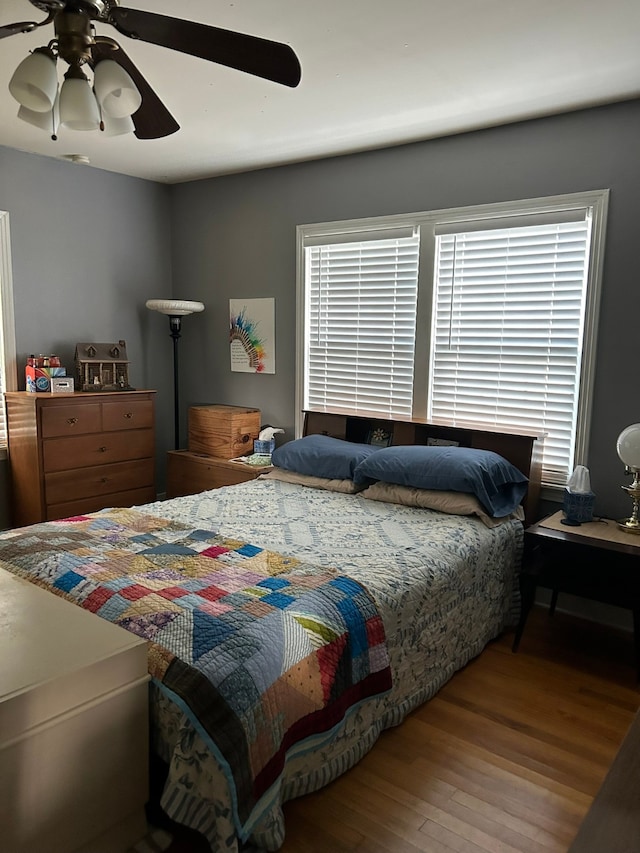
(102, 449)
(72, 421)
(245, 439)
(104, 480)
(128, 414)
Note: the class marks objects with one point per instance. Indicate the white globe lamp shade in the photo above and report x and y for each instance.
(174, 307)
(78, 106)
(34, 84)
(116, 92)
(628, 446)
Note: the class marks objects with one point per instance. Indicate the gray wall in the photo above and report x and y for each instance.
(88, 248)
(234, 236)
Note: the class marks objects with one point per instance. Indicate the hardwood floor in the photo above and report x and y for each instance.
(505, 759)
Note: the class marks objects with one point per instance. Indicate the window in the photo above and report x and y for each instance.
(477, 315)
(8, 376)
(361, 323)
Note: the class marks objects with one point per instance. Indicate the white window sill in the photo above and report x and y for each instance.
(552, 493)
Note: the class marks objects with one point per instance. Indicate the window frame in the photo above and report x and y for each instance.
(427, 222)
(8, 363)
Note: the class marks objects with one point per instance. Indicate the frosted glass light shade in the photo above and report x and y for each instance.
(118, 126)
(78, 106)
(48, 121)
(116, 92)
(34, 84)
(174, 307)
(628, 446)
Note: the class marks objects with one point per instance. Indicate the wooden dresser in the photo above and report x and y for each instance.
(76, 453)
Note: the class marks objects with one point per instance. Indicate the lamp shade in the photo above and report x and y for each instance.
(174, 307)
(118, 126)
(78, 106)
(47, 121)
(116, 92)
(34, 84)
(628, 446)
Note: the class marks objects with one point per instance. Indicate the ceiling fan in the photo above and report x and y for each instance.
(77, 43)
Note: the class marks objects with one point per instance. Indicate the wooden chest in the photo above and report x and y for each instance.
(223, 431)
(76, 453)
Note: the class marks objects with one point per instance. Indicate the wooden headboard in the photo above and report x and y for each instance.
(524, 450)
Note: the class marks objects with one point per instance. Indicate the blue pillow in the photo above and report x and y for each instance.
(321, 456)
(497, 484)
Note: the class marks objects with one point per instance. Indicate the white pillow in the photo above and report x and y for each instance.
(347, 487)
(454, 503)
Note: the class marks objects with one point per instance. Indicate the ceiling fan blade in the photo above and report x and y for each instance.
(268, 59)
(14, 29)
(152, 120)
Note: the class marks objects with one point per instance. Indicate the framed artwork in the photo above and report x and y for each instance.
(252, 335)
(379, 437)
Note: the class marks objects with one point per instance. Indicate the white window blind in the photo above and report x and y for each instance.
(508, 322)
(360, 318)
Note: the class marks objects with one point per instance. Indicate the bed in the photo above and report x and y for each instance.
(290, 621)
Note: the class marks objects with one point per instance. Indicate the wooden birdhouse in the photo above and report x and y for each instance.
(102, 367)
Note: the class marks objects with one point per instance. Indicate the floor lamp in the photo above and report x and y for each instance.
(175, 309)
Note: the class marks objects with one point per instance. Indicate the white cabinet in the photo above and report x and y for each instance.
(73, 726)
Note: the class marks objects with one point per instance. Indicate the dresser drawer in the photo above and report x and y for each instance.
(62, 454)
(64, 486)
(134, 497)
(127, 414)
(70, 420)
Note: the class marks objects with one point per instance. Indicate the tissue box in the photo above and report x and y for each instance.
(223, 431)
(62, 385)
(578, 507)
(264, 448)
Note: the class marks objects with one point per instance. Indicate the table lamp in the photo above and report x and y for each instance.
(628, 447)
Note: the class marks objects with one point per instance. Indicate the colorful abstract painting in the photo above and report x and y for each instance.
(252, 335)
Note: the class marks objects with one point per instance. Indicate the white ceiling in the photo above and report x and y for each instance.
(374, 73)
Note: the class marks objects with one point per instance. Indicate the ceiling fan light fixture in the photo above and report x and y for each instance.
(115, 90)
(34, 84)
(124, 91)
(78, 105)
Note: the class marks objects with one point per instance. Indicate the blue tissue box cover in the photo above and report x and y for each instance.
(578, 506)
(264, 447)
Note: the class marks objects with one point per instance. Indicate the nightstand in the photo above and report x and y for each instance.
(596, 560)
(189, 473)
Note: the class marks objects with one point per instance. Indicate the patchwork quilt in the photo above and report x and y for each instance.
(260, 650)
